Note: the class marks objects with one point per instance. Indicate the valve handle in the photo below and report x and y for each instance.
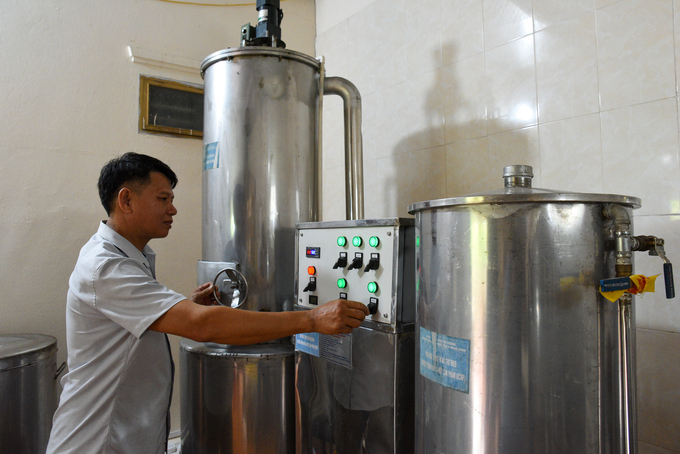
(238, 287)
(668, 279)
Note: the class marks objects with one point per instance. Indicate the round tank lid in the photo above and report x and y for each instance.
(518, 189)
(257, 51)
(18, 350)
(257, 351)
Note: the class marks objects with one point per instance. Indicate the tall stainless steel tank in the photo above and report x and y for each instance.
(261, 132)
(261, 176)
(517, 350)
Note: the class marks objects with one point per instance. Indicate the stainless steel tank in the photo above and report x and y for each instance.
(261, 109)
(261, 176)
(28, 392)
(517, 350)
(252, 417)
(262, 166)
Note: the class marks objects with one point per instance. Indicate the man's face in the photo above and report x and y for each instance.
(153, 208)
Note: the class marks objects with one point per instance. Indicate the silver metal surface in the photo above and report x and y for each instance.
(232, 400)
(261, 110)
(354, 161)
(234, 285)
(516, 273)
(517, 189)
(627, 375)
(368, 408)
(518, 175)
(28, 392)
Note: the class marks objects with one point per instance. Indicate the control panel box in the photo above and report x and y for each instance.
(371, 261)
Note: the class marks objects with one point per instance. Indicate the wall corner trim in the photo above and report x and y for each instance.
(163, 60)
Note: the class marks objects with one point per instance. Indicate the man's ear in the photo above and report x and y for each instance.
(124, 200)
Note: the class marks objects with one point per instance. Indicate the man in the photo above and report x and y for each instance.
(117, 392)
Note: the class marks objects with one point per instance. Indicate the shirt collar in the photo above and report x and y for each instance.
(146, 257)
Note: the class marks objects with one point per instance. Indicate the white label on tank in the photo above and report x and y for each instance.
(335, 348)
(445, 360)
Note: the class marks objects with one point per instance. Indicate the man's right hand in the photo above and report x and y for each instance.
(339, 316)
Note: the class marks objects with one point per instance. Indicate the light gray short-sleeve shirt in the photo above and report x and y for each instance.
(118, 387)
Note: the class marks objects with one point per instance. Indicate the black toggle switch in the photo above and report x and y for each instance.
(373, 263)
(373, 306)
(311, 287)
(342, 261)
(357, 262)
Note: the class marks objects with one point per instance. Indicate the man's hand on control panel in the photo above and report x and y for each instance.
(338, 317)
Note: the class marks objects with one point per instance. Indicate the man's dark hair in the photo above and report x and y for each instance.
(129, 168)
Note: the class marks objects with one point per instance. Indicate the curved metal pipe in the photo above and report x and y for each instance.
(354, 155)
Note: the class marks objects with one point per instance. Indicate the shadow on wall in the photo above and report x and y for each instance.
(452, 154)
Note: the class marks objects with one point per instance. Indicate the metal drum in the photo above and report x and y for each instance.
(517, 350)
(256, 417)
(28, 392)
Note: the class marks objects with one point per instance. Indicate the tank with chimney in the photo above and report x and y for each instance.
(261, 176)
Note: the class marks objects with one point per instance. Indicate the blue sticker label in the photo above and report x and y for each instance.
(614, 284)
(445, 360)
(308, 343)
(211, 156)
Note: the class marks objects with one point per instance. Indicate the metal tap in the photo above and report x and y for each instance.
(655, 246)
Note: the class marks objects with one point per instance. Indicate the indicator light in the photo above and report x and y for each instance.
(374, 241)
(372, 287)
(357, 241)
(311, 270)
(342, 283)
(342, 241)
(417, 241)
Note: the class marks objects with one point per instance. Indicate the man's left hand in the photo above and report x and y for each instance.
(203, 295)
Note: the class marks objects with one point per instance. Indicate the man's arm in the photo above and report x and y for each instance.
(225, 325)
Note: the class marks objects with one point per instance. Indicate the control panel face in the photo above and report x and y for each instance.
(356, 263)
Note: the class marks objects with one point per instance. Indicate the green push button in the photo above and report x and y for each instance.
(374, 241)
(357, 241)
(342, 241)
(342, 283)
(372, 287)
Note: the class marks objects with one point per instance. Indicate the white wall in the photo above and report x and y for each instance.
(330, 13)
(585, 91)
(69, 102)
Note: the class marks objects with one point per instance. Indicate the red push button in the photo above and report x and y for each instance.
(311, 270)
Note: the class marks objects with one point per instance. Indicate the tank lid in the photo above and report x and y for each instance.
(18, 350)
(517, 189)
(256, 351)
(258, 51)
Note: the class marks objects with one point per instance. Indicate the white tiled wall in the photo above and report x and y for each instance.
(585, 91)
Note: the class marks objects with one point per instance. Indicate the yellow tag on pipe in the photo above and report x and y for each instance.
(640, 284)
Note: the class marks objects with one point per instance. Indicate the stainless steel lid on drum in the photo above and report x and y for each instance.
(28, 391)
(517, 351)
